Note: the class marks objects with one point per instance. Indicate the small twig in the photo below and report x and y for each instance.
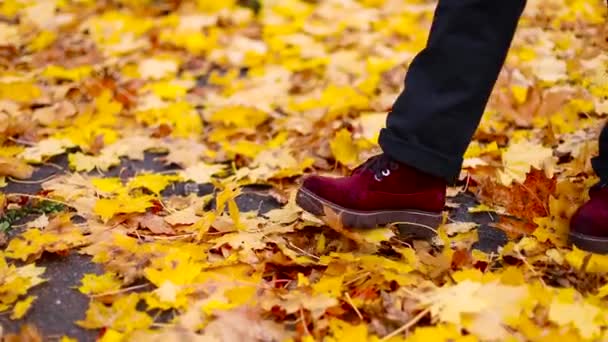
(350, 301)
(162, 325)
(302, 251)
(407, 325)
(304, 324)
(138, 236)
(363, 275)
(525, 261)
(126, 289)
(490, 214)
(466, 186)
(415, 224)
(406, 244)
(40, 198)
(585, 263)
(22, 142)
(19, 181)
(173, 237)
(162, 203)
(57, 166)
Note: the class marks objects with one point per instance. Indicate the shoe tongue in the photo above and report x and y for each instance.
(373, 164)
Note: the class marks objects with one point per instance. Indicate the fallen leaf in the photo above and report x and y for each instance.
(15, 168)
(344, 149)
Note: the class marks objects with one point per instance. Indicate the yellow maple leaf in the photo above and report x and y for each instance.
(595, 263)
(152, 181)
(302, 280)
(9, 8)
(480, 208)
(181, 116)
(344, 149)
(96, 284)
(122, 316)
(329, 285)
(241, 295)
(243, 147)
(67, 339)
(345, 332)
(74, 74)
(108, 185)
(178, 266)
(192, 40)
(170, 90)
(19, 91)
(32, 242)
(566, 310)
(440, 332)
(520, 157)
(106, 208)
(22, 307)
(17, 281)
(111, 335)
(43, 40)
(226, 198)
(239, 116)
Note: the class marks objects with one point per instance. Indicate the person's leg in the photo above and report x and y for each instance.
(447, 87)
(448, 84)
(600, 163)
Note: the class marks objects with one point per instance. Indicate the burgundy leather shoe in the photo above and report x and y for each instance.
(589, 225)
(379, 192)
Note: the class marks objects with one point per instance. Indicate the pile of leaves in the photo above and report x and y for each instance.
(236, 94)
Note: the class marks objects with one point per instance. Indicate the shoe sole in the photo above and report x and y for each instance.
(411, 223)
(589, 243)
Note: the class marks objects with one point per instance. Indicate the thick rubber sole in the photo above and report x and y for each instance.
(589, 243)
(411, 223)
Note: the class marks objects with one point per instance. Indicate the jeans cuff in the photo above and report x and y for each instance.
(420, 157)
(600, 166)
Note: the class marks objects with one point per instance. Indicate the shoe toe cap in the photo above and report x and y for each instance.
(591, 219)
(315, 184)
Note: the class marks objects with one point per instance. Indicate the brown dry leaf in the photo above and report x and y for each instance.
(15, 168)
(514, 227)
(27, 333)
(244, 324)
(154, 223)
(527, 200)
(185, 216)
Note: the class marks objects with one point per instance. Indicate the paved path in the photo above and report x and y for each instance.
(59, 304)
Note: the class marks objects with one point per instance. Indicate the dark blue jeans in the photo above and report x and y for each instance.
(448, 85)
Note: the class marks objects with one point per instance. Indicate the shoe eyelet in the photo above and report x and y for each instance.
(386, 172)
(377, 179)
